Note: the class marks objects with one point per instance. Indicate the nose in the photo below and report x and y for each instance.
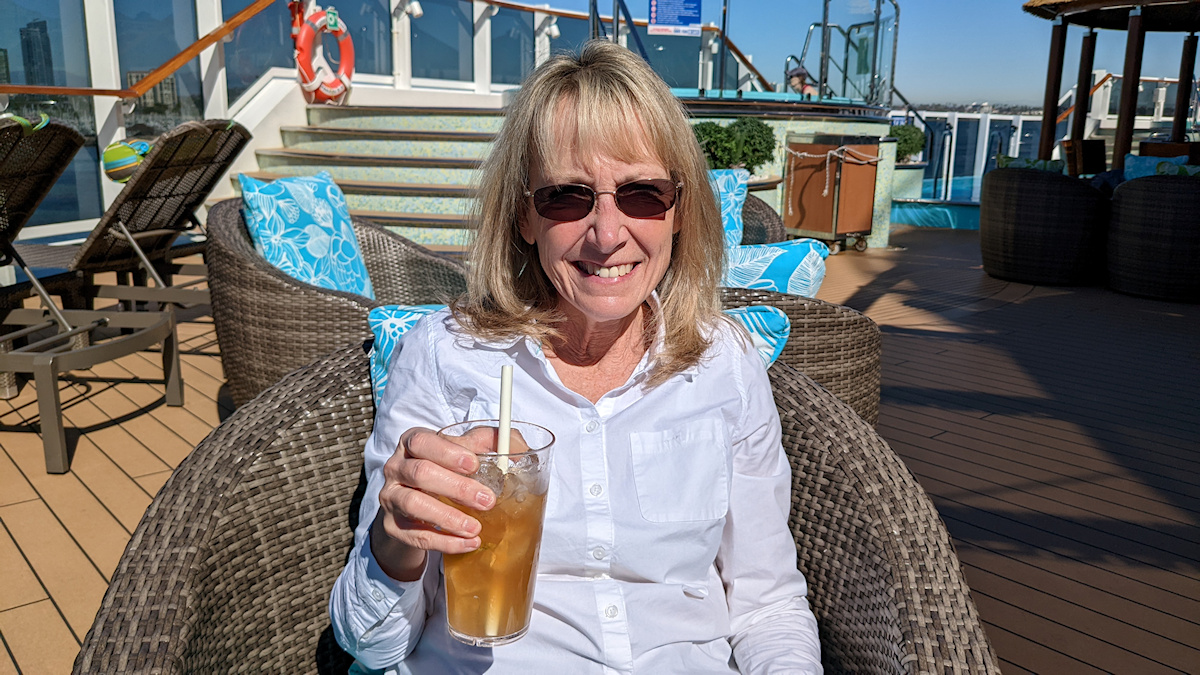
(608, 222)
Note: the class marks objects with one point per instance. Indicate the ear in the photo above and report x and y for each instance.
(525, 227)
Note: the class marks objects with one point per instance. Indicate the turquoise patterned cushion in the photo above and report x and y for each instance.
(388, 324)
(302, 226)
(796, 267)
(769, 328)
(1169, 169)
(1052, 165)
(731, 186)
(1140, 167)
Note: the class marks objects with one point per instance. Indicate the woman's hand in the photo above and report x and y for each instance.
(411, 519)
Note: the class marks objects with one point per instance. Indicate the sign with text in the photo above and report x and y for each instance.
(674, 17)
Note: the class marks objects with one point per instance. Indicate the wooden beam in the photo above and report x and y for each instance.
(1135, 41)
(1054, 68)
(1183, 93)
(1087, 56)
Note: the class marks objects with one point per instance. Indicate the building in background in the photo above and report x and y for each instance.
(36, 55)
(164, 94)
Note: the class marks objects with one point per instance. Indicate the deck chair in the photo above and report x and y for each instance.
(48, 341)
(137, 237)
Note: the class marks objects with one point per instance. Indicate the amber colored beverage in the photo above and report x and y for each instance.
(489, 591)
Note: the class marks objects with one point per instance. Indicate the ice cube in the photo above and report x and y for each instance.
(490, 476)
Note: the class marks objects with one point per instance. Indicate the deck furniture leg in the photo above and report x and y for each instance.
(54, 437)
(171, 372)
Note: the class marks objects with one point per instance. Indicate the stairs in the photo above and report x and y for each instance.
(408, 169)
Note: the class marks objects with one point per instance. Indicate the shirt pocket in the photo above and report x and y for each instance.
(682, 474)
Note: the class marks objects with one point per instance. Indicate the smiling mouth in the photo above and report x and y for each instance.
(604, 272)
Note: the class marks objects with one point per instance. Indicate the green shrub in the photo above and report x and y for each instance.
(747, 142)
(909, 140)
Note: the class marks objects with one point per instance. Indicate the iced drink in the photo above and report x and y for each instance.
(489, 591)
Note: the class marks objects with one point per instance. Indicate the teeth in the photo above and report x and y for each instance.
(606, 272)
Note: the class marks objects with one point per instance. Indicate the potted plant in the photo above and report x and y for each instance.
(746, 143)
(908, 179)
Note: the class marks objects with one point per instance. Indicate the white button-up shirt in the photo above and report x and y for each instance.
(666, 547)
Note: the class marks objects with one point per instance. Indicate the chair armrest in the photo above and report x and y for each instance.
(405, 273)
(838, 347)
(885, 582)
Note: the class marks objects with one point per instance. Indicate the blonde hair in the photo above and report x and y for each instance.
(603, 94)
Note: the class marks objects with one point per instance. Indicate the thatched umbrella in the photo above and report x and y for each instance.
(1135, 17)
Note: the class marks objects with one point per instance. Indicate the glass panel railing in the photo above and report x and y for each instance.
(370, 25)
(884, 76)
(851, 49)
(572, 33)
(443, 41)
(46, 45)
(1145, 99)
(512, 46)
(1000, 133)
(675, 58)
(1031, 134)
(1169, 101)
(962, 186)
(261, 43)
(149, 33)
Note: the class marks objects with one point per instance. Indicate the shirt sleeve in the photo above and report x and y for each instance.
(375, 618)
(773, 630)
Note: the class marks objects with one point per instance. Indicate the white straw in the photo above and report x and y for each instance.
(505, 415)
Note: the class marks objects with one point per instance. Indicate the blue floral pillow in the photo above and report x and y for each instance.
(1169, 169)
(1140, 167)
(769, 329)
(389, 324)
(796, 267)
(1051, 165)
(302, 226)
(731, 187)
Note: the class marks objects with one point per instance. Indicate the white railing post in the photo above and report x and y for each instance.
(105, 69)
(212, 61)
(483, 13)
(704, 77)
(545, 29)
(981, 151)
(401, 44)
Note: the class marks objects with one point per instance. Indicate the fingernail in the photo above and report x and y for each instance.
(466, 464)
(471, 526)
(473, 544)
(484, 498)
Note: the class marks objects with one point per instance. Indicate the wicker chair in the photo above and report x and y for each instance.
(1154, 238)
(1040, 227)
(760, 223)
(836, 346)
(231, 567)
(268, 324)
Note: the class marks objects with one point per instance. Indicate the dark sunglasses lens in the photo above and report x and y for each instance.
(646, 198)
(563, 202)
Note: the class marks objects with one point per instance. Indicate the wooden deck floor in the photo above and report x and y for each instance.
(1058, 431)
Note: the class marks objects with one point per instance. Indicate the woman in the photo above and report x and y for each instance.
(595, 271)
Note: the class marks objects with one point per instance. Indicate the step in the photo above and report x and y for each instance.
(367, 168)
(392, 118)
(366, 187)
(311, 157)
(389, 142)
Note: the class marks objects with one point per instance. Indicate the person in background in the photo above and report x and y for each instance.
(594, 272)
(800, 83)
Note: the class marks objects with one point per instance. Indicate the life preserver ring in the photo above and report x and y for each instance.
(336, 89)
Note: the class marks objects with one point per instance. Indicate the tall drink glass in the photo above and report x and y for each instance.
(489, 591)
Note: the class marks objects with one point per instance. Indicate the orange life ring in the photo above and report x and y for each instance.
(336, 89)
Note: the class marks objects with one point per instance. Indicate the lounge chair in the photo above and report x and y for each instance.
(137, 235)
(760, 223)
(231, 567)
(48, 341)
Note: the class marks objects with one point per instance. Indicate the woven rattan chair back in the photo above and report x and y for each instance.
(760, 223)
(161, 198)
(231, 567)
(1154, 238)
(30, 163)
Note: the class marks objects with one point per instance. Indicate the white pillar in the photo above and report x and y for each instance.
(981, 150)
(401, 45)
(212, 60)
(545, 29)
(704, 78)
(483, 13)
(105, 68)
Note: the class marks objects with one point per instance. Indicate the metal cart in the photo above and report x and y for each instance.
(829, 188)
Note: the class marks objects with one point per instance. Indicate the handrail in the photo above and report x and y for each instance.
(1067, 113)
(158, 74)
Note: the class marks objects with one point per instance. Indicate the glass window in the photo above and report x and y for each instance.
(46, 44)
(442, 41)
(964, 159)
(512, 46)
(261, 43)
(1031, 134)
(370, 24)
(149, 33)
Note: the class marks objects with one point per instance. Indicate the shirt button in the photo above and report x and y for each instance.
(598, 553)
(595, 490)
(611, 611)
(592, 426)
(377, 594)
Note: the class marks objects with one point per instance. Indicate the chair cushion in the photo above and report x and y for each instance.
(1052, 165)
(796, 267)
(1140, 167)
(1169, 169)
(731, 187)
(769, 328)
(389, 323)
(302, 226)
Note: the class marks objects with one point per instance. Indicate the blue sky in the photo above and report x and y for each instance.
(952, 51)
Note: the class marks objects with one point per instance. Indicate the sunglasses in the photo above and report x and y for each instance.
(637, 199)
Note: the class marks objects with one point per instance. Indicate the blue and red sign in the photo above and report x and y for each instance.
(674, 17)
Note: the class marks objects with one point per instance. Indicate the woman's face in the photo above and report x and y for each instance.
(606, 264)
